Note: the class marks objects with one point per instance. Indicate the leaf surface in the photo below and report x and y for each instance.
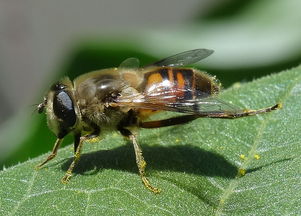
(247, 166)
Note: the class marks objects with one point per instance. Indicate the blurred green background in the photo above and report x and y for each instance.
(43, 41)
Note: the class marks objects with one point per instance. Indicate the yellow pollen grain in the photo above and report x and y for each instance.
(257, 157)
(242, 156)
(242, 171)
(93, 140)
(280, 106)
(222, 201)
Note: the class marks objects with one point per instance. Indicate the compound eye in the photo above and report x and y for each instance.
(63, 108)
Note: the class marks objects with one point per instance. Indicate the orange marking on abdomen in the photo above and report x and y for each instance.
(181, 81)
(180, 85)
(154, 78)
(153, 81)
(185, 83)
(170, 75)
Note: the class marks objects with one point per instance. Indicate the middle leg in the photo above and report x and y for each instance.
(141, 163)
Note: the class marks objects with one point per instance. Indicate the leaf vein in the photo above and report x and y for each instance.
(24, 198)
(88, 203)
(233, 183)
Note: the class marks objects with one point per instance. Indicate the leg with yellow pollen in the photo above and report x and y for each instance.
(68, 174)
(142, 164)
(53, 153)
(239, 114)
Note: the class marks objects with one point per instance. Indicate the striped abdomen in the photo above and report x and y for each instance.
(174, 85)
(178, 84)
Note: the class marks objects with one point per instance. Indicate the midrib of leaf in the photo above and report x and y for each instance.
(234, 183)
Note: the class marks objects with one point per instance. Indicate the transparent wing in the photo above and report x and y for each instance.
(130, 63)
(184, 58)
(168, 100)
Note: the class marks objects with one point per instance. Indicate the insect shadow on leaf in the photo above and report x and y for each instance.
(188, 159)
(266, 165)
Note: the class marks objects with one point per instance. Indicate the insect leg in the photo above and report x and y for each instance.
(96, 132)
(141, 163)
(232, 115)
(168, 122)
(187, 118)
(78, 141)
(78, 144)
(53, 153)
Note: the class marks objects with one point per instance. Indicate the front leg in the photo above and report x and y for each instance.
(78, 144)
(53, 153)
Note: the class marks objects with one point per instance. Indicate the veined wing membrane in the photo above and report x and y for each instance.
(130, 63)
(169, 101)
(184, 58)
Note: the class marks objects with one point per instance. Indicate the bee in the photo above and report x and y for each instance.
(123, 98)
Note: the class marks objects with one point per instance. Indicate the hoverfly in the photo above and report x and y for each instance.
(123, 98)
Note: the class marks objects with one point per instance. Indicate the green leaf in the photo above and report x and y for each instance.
(198, 166)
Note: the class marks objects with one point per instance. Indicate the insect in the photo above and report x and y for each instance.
(123, 98)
